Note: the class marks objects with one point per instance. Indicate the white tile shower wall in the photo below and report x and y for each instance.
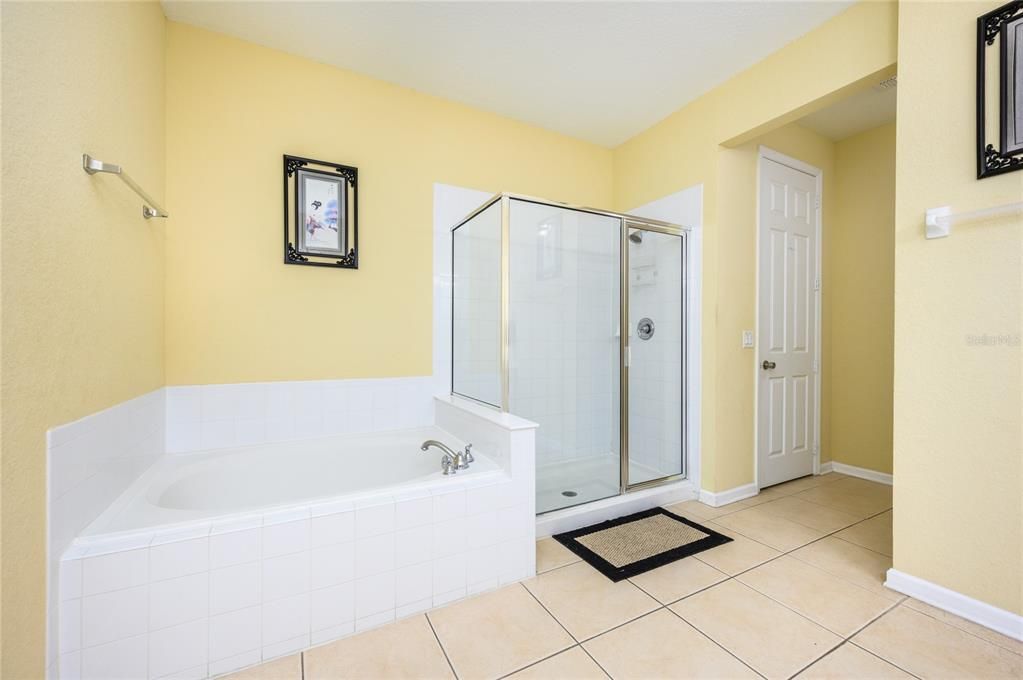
(90, 462)
(254, 588)
(477, 306)
(451, 205)
(564, 317)
(655, 372)
(685, 207)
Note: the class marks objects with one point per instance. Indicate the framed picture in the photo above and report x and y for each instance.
(1000, 90)
(320, 213)
(1012, 84)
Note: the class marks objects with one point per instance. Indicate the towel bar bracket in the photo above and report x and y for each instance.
(149, 209)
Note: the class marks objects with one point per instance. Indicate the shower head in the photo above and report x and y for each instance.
(636, 237)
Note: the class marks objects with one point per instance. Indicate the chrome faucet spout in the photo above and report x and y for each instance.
(433, 442)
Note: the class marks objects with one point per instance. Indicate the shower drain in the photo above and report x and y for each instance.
(570, 494)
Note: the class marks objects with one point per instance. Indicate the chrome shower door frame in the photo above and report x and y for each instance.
(626, 222)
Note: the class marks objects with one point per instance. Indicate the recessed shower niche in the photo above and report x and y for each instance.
(541, 292)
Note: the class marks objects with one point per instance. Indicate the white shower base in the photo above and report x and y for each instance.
(592, 479)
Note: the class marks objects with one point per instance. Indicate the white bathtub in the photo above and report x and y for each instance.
(184, 489)
(214, 561)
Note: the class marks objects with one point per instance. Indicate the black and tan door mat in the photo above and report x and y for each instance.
(630, 545)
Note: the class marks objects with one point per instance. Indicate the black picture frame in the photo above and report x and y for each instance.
(993, 30)
(300, 174)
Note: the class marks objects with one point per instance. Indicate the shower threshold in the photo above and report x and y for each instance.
(571, 483)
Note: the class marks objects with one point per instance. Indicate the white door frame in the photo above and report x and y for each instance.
(818, 175)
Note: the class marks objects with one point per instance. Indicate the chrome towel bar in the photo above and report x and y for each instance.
(149, 209)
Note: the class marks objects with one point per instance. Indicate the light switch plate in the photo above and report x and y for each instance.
(747, 339)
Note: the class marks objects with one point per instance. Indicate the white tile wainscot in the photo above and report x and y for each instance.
(228, 593)
(89, 463)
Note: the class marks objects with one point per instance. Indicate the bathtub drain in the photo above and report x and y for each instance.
(570, 494)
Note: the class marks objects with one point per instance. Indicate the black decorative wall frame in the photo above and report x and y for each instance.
(993, 29)
(296, 248)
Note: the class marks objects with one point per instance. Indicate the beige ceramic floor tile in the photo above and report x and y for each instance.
(739, 555)
(773, 493)
(699, 512)
(586, 602)
(849, 662)
(286, 668)
(929, 648)
(661, 645)
(678, 579)
(404, 649)
(861, 502)
(550, 555)
(770, 529)
(853, 563)
(864, 486)
(494, 634)
(775, 641)
(991, 636)
(574, 664)
(836, 604)
(804, 483)
(874, 533)
(819, 517)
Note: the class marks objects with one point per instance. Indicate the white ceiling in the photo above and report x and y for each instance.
(853, 115)
(600, 71)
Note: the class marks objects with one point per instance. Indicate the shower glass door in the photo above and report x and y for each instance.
(655, 367)
(563, 347)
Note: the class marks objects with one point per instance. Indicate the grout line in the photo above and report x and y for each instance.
(560, 566)
(887, 661)
(538, 661)
(594, 659)
(440, 644)
(827, 653)
(549, 613)
(722, 647)
(845, 638)
(697, 592)
(935, 618)
(625, 623)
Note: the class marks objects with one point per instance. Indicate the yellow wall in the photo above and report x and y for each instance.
(82, 274)
(860, 280)
(234, 312)
(737, 234)
(958, 412)
(851, 51)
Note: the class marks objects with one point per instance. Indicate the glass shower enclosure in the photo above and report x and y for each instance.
(541, 293)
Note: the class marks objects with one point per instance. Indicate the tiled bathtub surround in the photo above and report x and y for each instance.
(205, 417)
(243, 589)
(90, 462)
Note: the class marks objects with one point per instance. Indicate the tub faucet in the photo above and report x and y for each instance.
(452, 461)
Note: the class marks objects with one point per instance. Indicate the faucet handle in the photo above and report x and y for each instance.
(468, 454)
(448, 465)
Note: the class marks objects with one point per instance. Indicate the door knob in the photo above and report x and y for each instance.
(768, 365)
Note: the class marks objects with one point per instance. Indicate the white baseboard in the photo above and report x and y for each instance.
(826, 468)
(720, 498)
(862, 473)
(989, 616)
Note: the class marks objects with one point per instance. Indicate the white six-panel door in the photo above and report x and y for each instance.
(787, 324)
